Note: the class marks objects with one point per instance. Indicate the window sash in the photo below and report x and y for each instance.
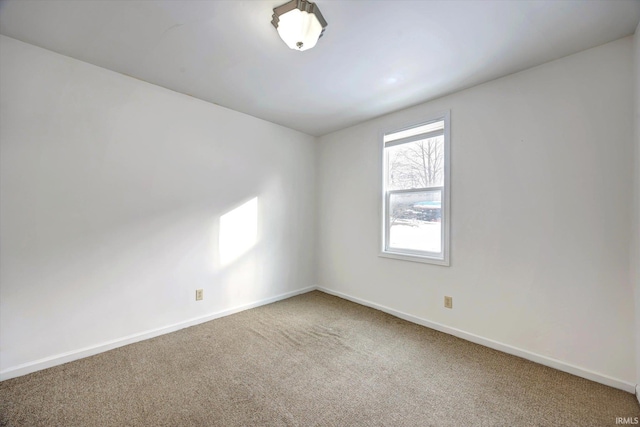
(387, 220)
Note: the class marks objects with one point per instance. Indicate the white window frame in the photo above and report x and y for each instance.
(442, 258)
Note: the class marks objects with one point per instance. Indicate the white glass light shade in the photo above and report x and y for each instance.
(300, 30)
(299, 23)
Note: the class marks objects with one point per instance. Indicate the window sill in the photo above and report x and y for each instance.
(415, 258)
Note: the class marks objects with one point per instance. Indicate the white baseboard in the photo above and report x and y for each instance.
(543, 360)
(70, 356)
(638, 393)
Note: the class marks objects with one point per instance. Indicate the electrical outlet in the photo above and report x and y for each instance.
(448, 302)
(199, 295)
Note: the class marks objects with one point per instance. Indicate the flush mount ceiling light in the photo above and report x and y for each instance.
(299, 23)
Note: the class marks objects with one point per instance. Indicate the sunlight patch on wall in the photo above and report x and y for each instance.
(238, 231)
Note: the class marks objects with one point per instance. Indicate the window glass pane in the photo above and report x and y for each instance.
(415, 221)
(417, 164)
(431, 127)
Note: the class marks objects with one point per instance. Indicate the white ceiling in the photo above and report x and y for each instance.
(375, 56)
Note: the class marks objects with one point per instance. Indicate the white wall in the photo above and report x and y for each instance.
(541, 214)
(111, 194)
(635, 249)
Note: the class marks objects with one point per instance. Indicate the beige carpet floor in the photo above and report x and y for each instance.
(311, 360)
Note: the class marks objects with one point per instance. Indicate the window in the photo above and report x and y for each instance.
(416, 192)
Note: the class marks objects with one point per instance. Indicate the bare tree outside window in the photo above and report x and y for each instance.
(418, 164)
